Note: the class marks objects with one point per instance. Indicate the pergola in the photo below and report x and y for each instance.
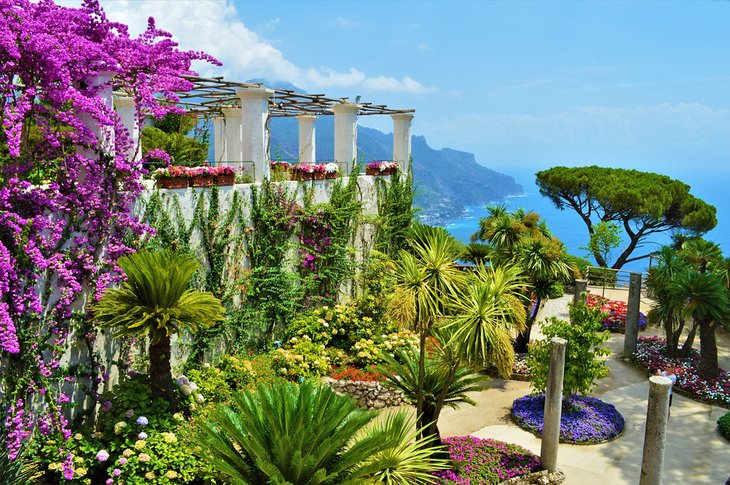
(240, 114)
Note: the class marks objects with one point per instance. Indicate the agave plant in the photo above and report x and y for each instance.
(307, 434)
(156, 301)
(17, 471)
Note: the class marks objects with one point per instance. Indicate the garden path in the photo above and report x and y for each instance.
(695, 451)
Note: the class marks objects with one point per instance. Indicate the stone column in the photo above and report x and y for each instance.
(219, 139)
(632, 315)
(346, 133)
(255, 107)
(232, 135)
(655, 436)
(307, 140)
(581, 286)
(127, 110)
(402, 139)
(553, 406)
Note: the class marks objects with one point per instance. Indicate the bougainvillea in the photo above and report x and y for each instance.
(67, 183)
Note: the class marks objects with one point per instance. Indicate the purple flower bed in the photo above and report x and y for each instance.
(485, 461)
(650, 353)
(588, 421)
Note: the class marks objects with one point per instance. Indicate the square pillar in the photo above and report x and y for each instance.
(402, 139)
(346, 133)
(255, 111)
(307, 141)
(127, 111)
(219, 139)
(232, 139)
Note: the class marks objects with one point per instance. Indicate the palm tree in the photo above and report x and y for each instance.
(543, 263)
(156, 301)
(706, 300)
(424, 280)
(668, 306)
(307, 434)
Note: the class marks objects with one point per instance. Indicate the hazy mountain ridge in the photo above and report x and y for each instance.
(446, 180)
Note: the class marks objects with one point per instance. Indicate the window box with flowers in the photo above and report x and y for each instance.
(318, 171)
(382, 168)
(331, 170)
(302, 172)
(201, 177)
(223, 175)
(172, 177)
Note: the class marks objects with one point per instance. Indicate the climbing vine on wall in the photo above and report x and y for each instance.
(395, 212)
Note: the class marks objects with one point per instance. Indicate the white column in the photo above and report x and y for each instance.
(127, 111)
(232, 135)
(219, 139)
(346, 133)
(307, 141)
(402, 139)
(255, 107)
(105, 135)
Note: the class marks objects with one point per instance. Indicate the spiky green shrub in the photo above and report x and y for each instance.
(307, 434)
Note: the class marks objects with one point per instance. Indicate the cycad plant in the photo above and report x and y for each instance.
(285, 433)
(156, 301)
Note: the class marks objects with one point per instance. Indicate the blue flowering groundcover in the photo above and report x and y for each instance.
(485, 461)
(586, 421)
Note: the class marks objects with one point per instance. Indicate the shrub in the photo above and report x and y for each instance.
(217, 382)
(583, 353)
(305, 358)
(349, 373)
(723, 425)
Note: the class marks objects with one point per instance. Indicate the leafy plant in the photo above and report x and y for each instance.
(155, 301)
(583, 353)
(723, 425)
(298, 434)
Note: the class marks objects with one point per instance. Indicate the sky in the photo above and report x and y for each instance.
(522, 85)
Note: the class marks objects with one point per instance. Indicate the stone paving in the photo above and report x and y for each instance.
(695, 451)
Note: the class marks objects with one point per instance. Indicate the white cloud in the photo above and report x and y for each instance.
(345, 23)
(215, 27)
(423, 47)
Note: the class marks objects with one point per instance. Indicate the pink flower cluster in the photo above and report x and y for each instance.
(60, 241)
(383, 166)
(188, 172)
(311, 168)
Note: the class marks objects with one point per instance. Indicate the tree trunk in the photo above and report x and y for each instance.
(160, 371)
(523, 338)
(687, 346)
(709, 365)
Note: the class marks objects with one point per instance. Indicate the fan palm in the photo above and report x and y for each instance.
(668, 304)
(284, 433)
(156, 301)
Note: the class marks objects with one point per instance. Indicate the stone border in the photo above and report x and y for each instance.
(372, 394)
(542, 477)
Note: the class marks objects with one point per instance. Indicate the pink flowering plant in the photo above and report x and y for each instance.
(383, 166)
(485, 461)
(614, 312)
(59, 64)
(651, 354)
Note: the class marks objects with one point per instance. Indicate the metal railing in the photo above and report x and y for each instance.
(612, 278)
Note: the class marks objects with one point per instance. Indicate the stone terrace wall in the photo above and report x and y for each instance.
(367, 393)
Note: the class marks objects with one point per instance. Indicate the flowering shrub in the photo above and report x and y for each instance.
(485, 461)
(217, 382)
(650, 353)
(349, 373)
(304, 358)
(615, 312)
(303, 168)
(584, 419)
(383, 166)
(157, 156)
(276, 165)
(57, 62)
(521, 366)
(366, 352)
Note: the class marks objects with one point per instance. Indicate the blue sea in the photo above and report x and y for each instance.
(712, 187)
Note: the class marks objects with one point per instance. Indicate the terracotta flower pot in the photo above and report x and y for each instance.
(318, 176)
(225, 179)
(301, 176)
(201, 181)
(331, 175)
(172, 182)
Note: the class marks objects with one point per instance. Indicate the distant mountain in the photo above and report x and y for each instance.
(446, 180)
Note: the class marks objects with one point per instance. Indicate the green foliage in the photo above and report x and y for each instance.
(298, 434)
(302, 358)
(170, 134)
(642, 203)
(395, 211)
(19, 471)
(584, 363)
(578, 265)
(723, 425)
(602, 277)
(606, 237)
(216, 382)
